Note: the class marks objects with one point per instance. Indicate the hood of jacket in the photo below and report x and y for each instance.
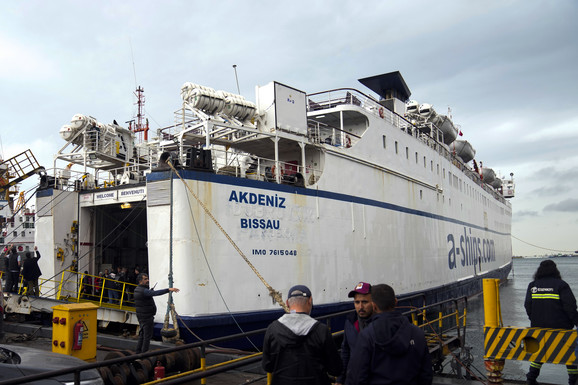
(297, 326)
(392, 332)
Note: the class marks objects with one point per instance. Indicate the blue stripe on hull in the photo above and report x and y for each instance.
(235, 181)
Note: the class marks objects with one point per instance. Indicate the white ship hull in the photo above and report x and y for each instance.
(323, 239)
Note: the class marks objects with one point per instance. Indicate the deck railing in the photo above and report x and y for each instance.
(348, 96)
(443, 324)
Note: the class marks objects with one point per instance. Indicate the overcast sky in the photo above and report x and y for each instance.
(507, 69)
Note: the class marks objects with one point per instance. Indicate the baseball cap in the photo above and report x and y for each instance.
(299, 291)
(361, 288)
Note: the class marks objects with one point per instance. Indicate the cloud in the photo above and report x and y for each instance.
(567, 205)
(22, 62)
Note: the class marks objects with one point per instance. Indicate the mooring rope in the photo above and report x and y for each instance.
(272, 292)
(170, 303)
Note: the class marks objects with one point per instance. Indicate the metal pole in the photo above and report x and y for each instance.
(237, 79)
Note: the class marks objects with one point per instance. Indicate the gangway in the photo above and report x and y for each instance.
(16, 169)
(68, 288)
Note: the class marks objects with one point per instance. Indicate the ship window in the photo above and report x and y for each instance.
(396, 147)
(450, 201)
(12, 224)
(431, 165)
(21, 219)
(15, 234)
(438, 168)
(420, 194)
(444, 173)
(24, 233)
(32, 225)
(2, 240)
(449, 177)
(384, 146)
(424, 162)
(407, 152)
(27, 248)
(416, 157)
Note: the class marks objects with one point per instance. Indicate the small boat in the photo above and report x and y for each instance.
(488, 175)
(463, 149)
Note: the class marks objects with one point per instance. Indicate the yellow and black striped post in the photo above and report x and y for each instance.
(554, 346)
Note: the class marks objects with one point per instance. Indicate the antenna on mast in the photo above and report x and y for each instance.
(237, 79)
(139, 125)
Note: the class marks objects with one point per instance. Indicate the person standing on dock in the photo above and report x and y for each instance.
(355, 323)
(297, 348)
(13, 271)
(146, 310)
(550, 303)
(390, 350)
(31, 272)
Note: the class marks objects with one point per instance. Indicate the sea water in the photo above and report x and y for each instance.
(512, 295)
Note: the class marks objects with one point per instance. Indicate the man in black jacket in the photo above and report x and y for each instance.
(390, 350)
(550, 303)
(146, 310)
(31, 272)
(13, 271)
(298, 349)
(355, 323)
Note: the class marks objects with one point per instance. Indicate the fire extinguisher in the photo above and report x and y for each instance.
(77, 336)
(159, 371)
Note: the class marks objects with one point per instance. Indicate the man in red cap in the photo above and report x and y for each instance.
(355, 323)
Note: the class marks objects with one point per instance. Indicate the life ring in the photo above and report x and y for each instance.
(347, 141)
(381, 113)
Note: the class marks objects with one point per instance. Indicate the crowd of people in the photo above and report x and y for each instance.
(111, 286)
(27, 268)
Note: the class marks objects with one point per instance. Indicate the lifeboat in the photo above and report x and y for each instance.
(464, 150)
(446, 126)
(488, 175)
(497, 183)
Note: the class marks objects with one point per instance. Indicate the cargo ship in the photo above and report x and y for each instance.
(240, 199)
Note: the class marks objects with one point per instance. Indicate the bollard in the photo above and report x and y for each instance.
(492, 318)
(494, 368)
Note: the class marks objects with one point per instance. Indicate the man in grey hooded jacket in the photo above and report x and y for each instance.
(298, 349)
